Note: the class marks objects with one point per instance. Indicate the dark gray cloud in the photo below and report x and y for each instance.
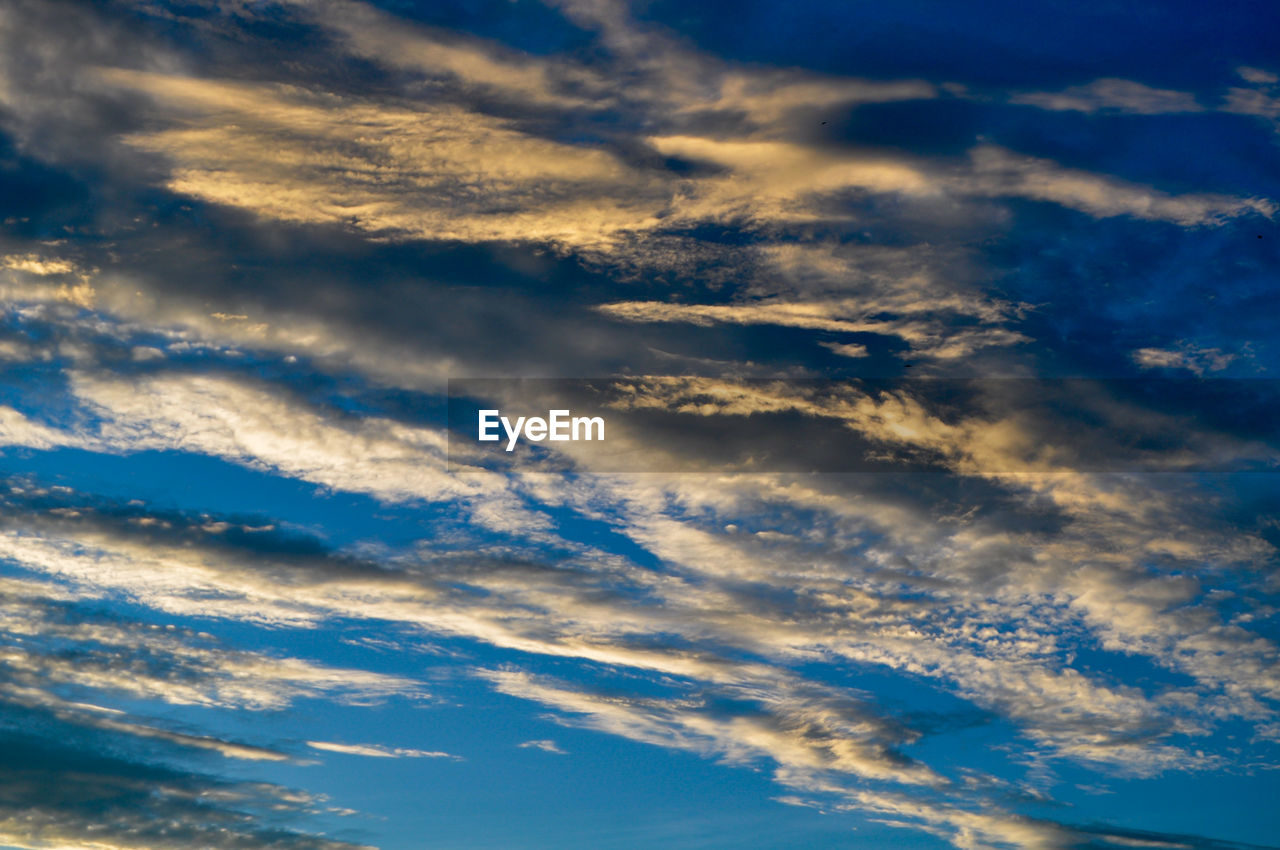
(54, 793)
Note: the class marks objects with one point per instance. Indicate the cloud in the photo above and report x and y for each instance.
(895, 420)
(1260, 99)
(805, 738)
(1110, 94)
(106, 719)
(50, 641)
(1252, 102)
(37, 265)
(804, 760)
(998, 172)
(929, 338)
(17, 430)
(55, 795)
(164, 575)
(442, 172)
(61, 786)
(1258, 75)
(545, 744)
(355, 226)
(376, 751)
(36, 278)
(78, 770)
(482, 67)
(846, 349)
(767, 98)
(402, 168)
(246, 424)
(994, 826)
(1191, 358)
(844, 609)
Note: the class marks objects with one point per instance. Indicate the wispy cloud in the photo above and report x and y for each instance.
(928, 337)
(1113, 94)
(1196, 360)
(376, 751)
(401, 203)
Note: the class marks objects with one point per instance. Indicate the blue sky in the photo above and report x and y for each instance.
(937, 346)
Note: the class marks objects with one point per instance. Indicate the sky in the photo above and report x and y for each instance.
(937, 348)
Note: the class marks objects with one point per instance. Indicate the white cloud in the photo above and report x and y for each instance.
(377, 751)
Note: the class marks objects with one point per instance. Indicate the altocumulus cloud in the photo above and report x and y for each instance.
(261, 274)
